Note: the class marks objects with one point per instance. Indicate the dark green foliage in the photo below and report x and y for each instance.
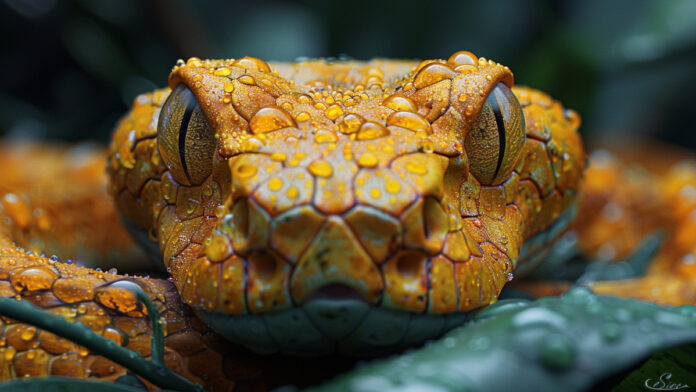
(567, 343)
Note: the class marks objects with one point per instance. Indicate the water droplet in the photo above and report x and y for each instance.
(28, 334)
(246, 79)
(333, 112)
(270, 119)
(462, 58)
(557, 352)
(368, 160)
(350, 123)
(320, 168)
(223, 71)
(302, 116)
(399, 103)
(408, 120)
(611, 332)
(252, 64)
(325, 136)
(370, 131)
(433, 73)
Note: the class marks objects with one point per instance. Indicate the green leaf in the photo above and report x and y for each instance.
(568, 343)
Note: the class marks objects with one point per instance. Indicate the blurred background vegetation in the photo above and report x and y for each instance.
(70, 69)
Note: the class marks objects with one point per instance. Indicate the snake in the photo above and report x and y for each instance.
(314, 208)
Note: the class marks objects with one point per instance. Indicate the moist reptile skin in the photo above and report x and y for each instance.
(351, 207)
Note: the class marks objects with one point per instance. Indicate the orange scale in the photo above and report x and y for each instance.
(249, 171)
(69, 365)
(140, 344)
(343, 261)
(292, 187)
(55, 345)
(373, 190)
(469, 194)
(501, 236)
(249, 99)
(406, 281)
(20, 336)
(142, 170)
(291, 232)
(432, 101)
(334, 194)
(534, 164)
(527, 199)
(232, 286)
(492, 201)
(449, 128)
(78, 289)
(6, 364)
(205, 229)
(32, 278)
(267, 279)
(424, 172)
(469, 284)
(31, 363)
(551, 207)
(131, 326)
(188, 202)
(42, 299)
(102, 367)
(204, 284)
(443, 293)
(120, 300)
(456, 247)
(180, 238)
(498, 264)
(378, 232)
(151, 196)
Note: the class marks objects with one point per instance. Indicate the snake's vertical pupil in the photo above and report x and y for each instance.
(494, 101)
(494, 143)
(186, 141)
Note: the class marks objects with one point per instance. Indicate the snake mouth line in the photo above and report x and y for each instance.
(335, 291)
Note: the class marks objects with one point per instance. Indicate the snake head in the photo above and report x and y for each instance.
(356, 207)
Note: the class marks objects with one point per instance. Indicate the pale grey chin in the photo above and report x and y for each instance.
(536, 249)
(327, 326)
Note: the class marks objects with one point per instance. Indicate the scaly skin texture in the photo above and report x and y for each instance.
(366, 155)
(351, 173)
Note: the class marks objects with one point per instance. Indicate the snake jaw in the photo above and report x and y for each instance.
(350, 175)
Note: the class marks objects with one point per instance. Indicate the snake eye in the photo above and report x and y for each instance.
(495, 141)
(186, 140)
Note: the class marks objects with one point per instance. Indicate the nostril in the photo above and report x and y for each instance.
(263, 264)
(335, 291)
(238, 220)
(409, 264)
